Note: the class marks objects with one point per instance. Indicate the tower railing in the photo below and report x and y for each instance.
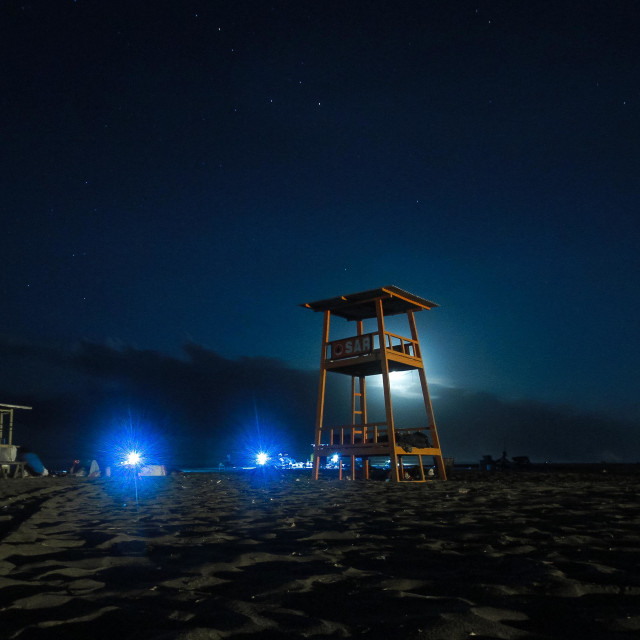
(408, 346)
(392, 342)
(372, 433)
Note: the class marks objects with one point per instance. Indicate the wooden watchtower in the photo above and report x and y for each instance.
(376, 352)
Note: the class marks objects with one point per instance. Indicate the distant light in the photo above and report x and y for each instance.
(133, 458)
(335, 457)
(262, 458)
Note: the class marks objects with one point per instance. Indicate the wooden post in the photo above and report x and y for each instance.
(384, 362)
(435, 441)
(10, 427)
(321, 392)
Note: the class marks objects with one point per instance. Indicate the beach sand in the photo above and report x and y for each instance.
(199, 556)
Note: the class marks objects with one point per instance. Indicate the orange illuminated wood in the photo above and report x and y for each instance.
(321, 390)
(391, 352)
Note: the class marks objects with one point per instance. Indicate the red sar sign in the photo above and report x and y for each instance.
(349, 347)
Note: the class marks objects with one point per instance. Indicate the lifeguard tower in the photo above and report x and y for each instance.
(376, 352)
(9, 467)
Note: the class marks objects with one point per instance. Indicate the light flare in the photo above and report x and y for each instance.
(133, 459)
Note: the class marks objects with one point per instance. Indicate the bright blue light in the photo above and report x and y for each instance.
(334, 458)
(131, 442)
(133, 459)
(258, 440)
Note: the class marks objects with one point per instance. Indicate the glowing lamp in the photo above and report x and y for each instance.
(133, 458)
(334, 458)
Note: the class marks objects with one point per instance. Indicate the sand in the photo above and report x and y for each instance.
(506, 555)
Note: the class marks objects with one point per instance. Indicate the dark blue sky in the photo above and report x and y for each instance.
(188, 172)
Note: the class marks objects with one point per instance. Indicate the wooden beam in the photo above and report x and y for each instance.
(384, 363)
(321, 392)
(435, 441)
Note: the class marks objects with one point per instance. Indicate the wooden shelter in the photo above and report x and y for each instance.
(377, 352)
(9, 467)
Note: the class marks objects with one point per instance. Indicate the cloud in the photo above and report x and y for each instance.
(202, 401)
(472, 424)
(204, 405)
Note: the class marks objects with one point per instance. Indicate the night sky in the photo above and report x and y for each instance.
(177, 177)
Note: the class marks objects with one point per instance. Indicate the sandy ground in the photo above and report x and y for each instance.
(522, 555)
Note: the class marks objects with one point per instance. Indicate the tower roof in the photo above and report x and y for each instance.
(360, 306)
